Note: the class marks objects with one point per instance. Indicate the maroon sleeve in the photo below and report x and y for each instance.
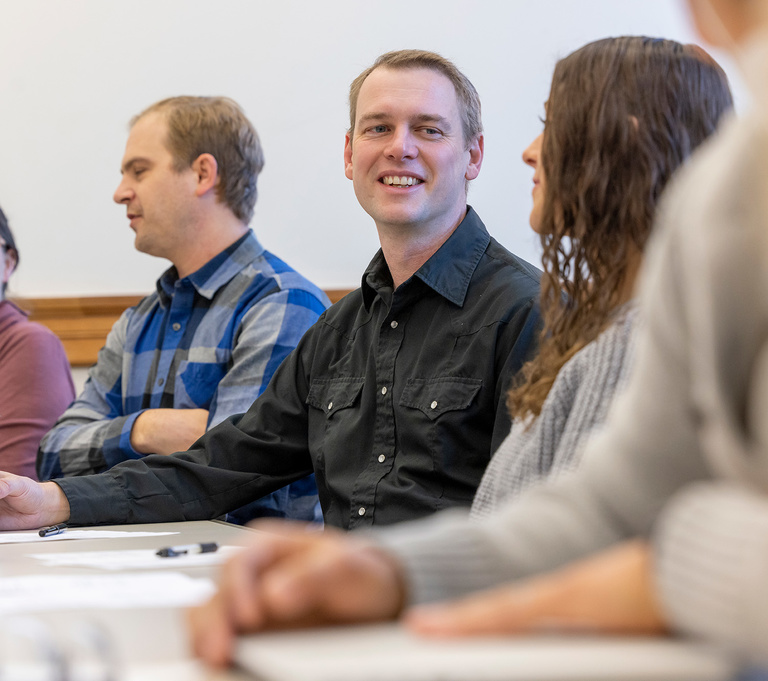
(35, 389)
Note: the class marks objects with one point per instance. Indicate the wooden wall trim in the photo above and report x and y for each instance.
(82, 323)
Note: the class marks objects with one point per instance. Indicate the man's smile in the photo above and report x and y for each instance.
(400, 180)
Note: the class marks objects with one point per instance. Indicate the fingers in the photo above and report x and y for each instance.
(330, 582)
(241, 580)
(211, 632)
(295, 578)
(237, 606)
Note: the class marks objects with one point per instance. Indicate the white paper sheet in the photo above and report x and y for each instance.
(134, 559)
(25, 537)
(35, 593)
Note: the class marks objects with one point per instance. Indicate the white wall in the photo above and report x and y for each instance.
(73, 72)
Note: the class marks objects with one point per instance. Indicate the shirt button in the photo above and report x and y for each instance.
(393, 324)
(433, 405)
(384, 390)
(382, 458)
(176, 326)
(361, 510)
(160, 381)
(330, 406)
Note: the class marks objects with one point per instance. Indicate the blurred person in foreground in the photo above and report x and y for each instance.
(664, 527)
(35, 378)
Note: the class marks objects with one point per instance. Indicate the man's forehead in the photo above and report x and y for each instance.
(401, 85)
(147, 137)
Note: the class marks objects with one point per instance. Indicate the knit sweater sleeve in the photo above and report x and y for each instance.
(711, 548)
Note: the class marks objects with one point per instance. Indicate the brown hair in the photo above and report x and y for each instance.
(216, 126)
(469, 100)
(623, 114)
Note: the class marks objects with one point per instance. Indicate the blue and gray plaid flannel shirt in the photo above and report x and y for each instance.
(212, 341)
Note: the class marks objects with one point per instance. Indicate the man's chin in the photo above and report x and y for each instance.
(144, 245)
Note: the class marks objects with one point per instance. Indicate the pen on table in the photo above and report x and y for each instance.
(52, 529)
(173, 551)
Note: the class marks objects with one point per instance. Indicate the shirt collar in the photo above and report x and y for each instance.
(217, 272)
(449, 270)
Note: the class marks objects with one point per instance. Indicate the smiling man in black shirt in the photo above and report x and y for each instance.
(395, 399)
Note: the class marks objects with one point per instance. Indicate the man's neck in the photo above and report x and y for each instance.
(210, 239)
(407, 247)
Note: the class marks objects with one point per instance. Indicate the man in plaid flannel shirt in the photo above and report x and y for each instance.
(205, 345)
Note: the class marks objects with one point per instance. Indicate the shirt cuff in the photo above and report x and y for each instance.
(94, 500)
(118, 448)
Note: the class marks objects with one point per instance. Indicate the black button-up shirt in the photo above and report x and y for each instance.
(395, 399)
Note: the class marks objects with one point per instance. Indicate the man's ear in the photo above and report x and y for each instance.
(206, 168)
(476, 149)
(348, 156)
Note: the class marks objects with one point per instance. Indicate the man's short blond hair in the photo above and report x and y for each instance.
(216, 126)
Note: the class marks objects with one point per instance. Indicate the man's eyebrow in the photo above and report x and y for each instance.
(442, 121)
(373, 116)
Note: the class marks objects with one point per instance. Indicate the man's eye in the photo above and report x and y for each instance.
(138, 172)
(431, 132)
(378, 128)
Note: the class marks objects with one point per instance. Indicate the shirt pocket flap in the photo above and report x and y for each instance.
(331, 395)
(435, 396)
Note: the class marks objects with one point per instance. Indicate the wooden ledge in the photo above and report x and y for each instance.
(83, 323)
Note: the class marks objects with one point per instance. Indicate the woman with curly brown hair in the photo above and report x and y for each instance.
(623, 114)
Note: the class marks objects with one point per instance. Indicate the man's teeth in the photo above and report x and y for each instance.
(400, 181)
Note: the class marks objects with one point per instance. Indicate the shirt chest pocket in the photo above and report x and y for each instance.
(334, 394)
(196, 383)
(434, 397)
(336, 423)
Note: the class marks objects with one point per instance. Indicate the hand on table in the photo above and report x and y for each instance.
(293, 576)
(610, 592)
(26, 504)
(165, 431)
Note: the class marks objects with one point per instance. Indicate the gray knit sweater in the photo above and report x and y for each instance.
(578, 402)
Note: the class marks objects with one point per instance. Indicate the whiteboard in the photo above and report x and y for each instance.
(72, 73)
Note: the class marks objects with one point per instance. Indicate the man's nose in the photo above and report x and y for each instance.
(402, 144)
(123, 193)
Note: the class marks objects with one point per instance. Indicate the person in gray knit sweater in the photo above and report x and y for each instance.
(617, 127)
(599, 170)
